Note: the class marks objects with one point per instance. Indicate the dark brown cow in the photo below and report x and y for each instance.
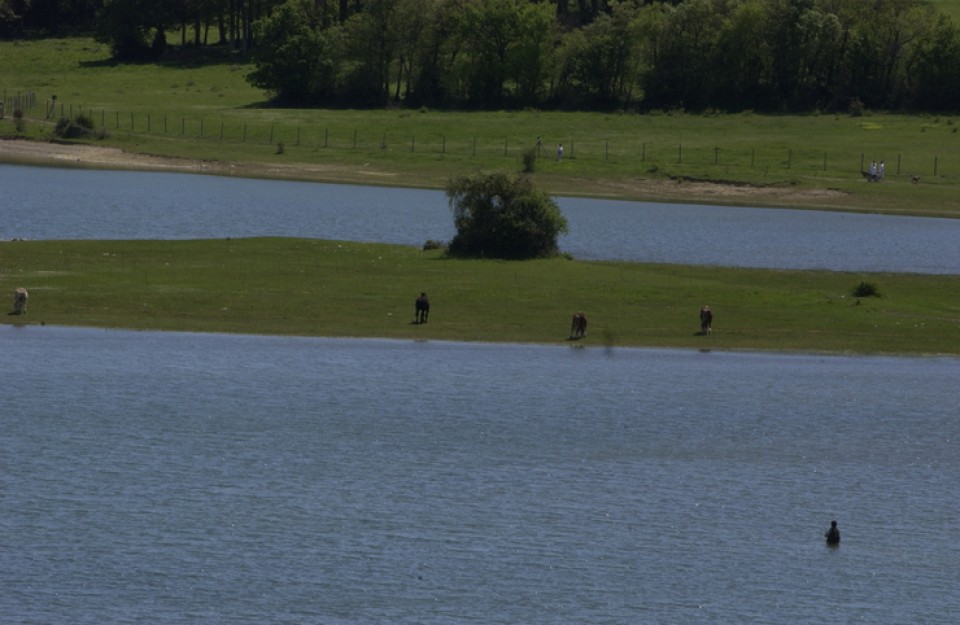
(706, 320)
(421, 310)
(578, 327)
(20, 297)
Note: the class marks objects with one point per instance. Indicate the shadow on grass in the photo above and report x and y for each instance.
(181, 57)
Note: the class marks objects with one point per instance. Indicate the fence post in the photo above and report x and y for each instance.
(716, 155)
(679, 152)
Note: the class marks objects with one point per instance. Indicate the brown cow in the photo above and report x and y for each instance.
(578, 327)
(706, 320)
(20, 297)
(421, 310)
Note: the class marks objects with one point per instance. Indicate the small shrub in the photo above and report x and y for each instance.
(80, 127)
(18, 121)
(857, 108)
(433, 244)
(281, 148)
(866, 289)
(530, 161)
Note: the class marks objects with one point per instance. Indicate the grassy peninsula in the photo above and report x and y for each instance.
(328, 288)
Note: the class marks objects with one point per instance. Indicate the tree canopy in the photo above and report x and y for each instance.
(497, 216)
(727, 55)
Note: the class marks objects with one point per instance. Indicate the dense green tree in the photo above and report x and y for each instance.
(489, 30)
(767, 55)
(297, 58)
(685, 48)
(134, 29)
(371, 51)
(936, 74)
(532, 59)
(497, 216)
(11, 16)
(599, 62)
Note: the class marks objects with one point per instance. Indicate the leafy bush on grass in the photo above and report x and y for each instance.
(80, 127)
(866, 289)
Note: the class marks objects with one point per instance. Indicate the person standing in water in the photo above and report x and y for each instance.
(833, 535)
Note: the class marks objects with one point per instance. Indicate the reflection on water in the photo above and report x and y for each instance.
(185, 478)
(44, 203)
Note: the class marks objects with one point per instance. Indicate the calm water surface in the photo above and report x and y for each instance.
(189, 478)
(46, 203)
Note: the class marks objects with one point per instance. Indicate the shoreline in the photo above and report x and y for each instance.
(563, 343)
(29, 152)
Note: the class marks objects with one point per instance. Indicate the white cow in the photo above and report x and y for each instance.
(20, 297)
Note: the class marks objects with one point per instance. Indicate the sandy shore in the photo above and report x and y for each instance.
(100, 157)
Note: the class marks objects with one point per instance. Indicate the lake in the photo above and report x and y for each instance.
(49, 203)
(189, 478)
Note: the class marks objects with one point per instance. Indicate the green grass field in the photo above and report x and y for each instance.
(328, 288)
(208, 111)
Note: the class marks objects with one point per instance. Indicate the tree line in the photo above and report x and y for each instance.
(728, 55)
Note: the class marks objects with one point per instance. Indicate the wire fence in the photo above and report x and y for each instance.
(17, 102)
(649, 156)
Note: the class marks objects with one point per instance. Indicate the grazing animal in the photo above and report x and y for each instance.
(20, 297)
(578, 328)
(421, 309)
(916, 179)
(706, 320)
